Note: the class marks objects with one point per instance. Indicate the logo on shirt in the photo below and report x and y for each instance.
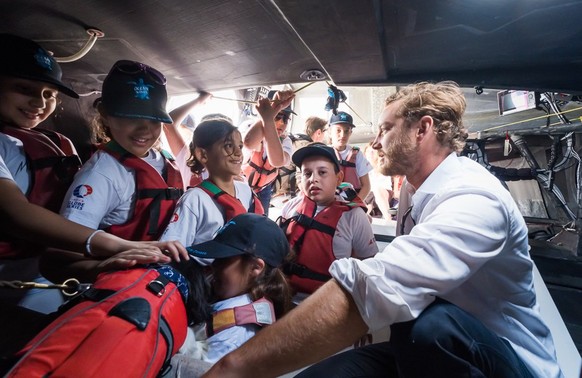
(82, 191)
(175, 218)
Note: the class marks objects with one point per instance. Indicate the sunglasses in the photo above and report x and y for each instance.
(283, 117)
(130, 67)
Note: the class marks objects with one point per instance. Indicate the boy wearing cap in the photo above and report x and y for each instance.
(249, 290)
(287, 182)
(42, 163)
(319, 227)
(354, 164)
(129, 187)
(269, 146)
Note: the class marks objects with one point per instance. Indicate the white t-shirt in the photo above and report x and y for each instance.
(12, 152)
(363, 166)
(470, 247)
(4, 172)
(103, 191)
(198, 216)
(353, 235)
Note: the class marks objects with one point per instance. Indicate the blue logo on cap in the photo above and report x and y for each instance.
(141, 89)
(225, 226)
(43, 59)
(343, 116)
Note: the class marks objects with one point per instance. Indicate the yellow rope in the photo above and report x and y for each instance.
(533, 119)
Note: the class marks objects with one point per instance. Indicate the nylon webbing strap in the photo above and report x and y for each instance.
(311, 223)
(304, 272)
(158, 195)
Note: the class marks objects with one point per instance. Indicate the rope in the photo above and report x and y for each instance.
(254, 102)
(69, 288)
(530, 119)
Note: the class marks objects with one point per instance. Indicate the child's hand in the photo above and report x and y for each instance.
(268, 109)
(282, 100)
(203, 97)
(172, 248)
(132, 257)
(265, 109)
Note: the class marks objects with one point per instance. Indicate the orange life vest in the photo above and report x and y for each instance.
(231, 205)
(311, 237)
(259, 172)
(53, 163)
(156, 196)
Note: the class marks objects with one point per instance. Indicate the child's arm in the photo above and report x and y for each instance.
(175, 139)
(365, 186)
(59, 265)
(29, 221)
(268, 110)
(254, 136)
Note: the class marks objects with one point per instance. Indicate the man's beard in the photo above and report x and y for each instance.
(400, 156)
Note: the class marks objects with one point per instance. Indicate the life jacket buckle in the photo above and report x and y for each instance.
(157, 287)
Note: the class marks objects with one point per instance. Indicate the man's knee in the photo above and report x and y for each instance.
(434, 326)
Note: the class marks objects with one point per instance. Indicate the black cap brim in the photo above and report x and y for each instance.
(213, 250)
(62, 88)
(314, 150)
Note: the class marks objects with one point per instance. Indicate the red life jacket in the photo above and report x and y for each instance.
(156, 196)
(133, 322)
(259, 172)
(53, 162)
(231, 205)
(311, 236)
(348, 167)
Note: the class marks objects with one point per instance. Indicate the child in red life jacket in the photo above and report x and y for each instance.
(217, 147)
(128, 187)
(41, 162)
(319, 227)
(353, 163)
(249, 290)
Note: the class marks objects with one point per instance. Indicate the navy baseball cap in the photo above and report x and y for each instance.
(315, 149)
(246, 233)
(341, 117)
(26, 59)
(271, 95)
(135, 90)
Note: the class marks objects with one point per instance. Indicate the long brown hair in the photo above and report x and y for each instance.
(273, 285)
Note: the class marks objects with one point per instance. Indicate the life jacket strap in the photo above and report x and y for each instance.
(304, 272)
(260, 312)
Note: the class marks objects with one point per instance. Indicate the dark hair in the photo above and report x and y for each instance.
(273, 285)
(198, 309)
(205, 135)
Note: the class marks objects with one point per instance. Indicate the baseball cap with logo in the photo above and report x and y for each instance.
(341, 117)
(271, 95)
(25, 59)
(135, 90)
(315, 149)
(246, 233)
